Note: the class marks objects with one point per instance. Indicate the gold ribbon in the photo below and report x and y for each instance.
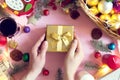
(61, 38)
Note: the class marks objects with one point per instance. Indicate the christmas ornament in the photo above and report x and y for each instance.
(96, 33)
(105, 17)
(92, 3)
(111, 46)
(74, 14)
(25, 57)
(94, 10)
(112, 61)
(105, 7)
(84, 75)
(116, 7)
(99, 46)
(46, 12)
(12, 44)
(16, 55)
(45, 72)
(3, 40)
(59, 75)
(97, 54)
(26, 29)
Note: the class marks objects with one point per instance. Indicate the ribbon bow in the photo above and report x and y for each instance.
(64, 37)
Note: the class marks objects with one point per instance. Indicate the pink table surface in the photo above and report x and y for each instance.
(83, 27)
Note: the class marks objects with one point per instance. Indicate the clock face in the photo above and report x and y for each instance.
(115, 75)
(19, 7)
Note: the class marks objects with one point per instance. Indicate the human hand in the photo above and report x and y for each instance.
(37, 59)
(73, 59)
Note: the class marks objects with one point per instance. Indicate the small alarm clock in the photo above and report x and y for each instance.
(18, 7)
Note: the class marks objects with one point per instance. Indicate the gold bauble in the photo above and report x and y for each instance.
(105, 7)
(92, 2)
(94, 10)
(105, 17)
(115, 17)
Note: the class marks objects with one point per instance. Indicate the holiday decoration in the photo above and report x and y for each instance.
(59, 75)
(45, 72)
(59, 37)
(74, 14)
(97, 54)
(115, 75)
(84, 75)
(3, 40)
(26, 29)
(99, 46)
(104, 70)
(112, 61)
(96, 33)
(46, 12)
(25, 57)
(12, 44)
(18, 7)
(111, 46)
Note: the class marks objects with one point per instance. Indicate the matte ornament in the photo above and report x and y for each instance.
(16, 55)
(96, 33)
(26, 29)
(25, 57)
(112, 61)
(111, 46)
(28, 7)
(12, 44)
(97, 54)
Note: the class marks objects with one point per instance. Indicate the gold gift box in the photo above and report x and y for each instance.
(59, 37)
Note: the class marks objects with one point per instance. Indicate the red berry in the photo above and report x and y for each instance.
(45, 72)
(46, 12)
(97, 54)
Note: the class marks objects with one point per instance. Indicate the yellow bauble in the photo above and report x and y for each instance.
(115, 25)
(92, 2)
(94, 10)
(105, 7)
(105, 17)
(115, 17)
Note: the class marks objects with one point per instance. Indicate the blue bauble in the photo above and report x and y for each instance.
(26, 29)
(111, 46)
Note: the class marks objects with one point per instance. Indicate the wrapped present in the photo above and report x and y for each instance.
(59, 37)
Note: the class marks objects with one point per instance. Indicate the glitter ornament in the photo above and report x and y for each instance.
(45, 72)
(111, 46)
(12, 44)
(26, 29)
(105, 7)
(25, 57)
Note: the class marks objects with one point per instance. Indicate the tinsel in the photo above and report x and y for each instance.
(99, 46)
(59, 75)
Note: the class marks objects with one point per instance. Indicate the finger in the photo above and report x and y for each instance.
(78, 45)
(43, 49)
(36, 46)
(73, 48)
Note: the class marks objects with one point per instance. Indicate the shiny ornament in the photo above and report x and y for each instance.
(105, 7)
(12, 44)
(26, 29)
(45, 72)
(115, 17)
(74, 14)
(105, 17)
(94, 10)
(46, 12)
(3, 40)
(111, 46)
(16, 55)
(97, 54)
(112, 61)
(25, 57)
(116, 7)
(92, 2)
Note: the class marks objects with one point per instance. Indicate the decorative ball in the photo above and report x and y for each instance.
(46, 12)
(94, 10)
(115, 17)
(105, 17)
(3, 40)
(92, 2)
(26, 29)
(105, 7)
(112, 61)
(74, 14)
(111, 46)
(25, 57)
(97, 54)
(12, 44)
(45, 72)
(115, 26)
(16, 55)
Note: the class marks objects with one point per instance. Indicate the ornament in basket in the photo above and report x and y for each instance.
(105, 13)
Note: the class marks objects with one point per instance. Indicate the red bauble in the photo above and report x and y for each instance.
(112, 61)
(3, 40)
(46, 12)
(97, 54)
(45, 72)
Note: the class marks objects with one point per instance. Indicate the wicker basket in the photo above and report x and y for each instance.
(101, 24)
